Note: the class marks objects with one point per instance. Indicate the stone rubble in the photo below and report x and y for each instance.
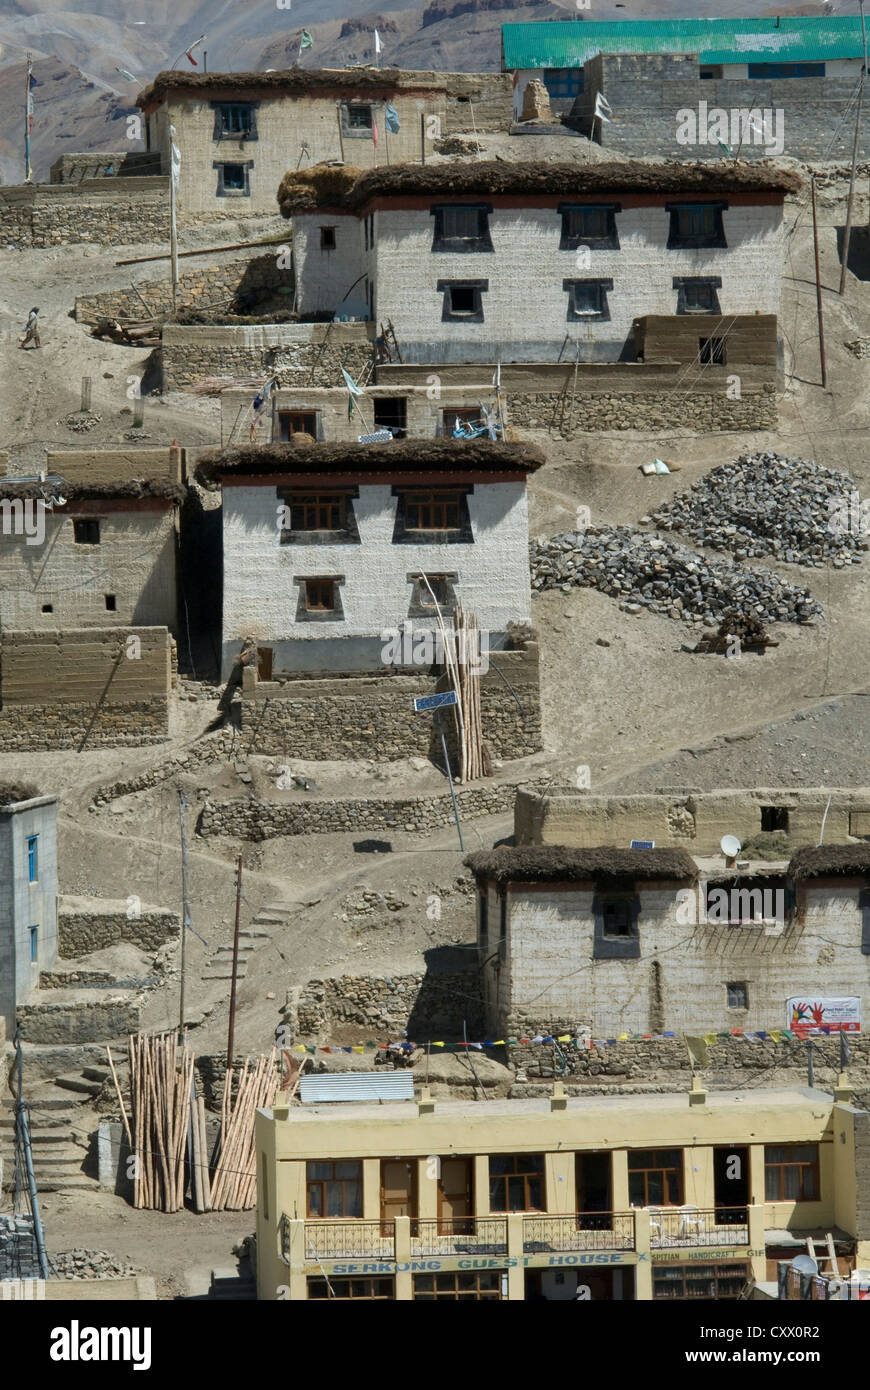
(648, 572)
(90, 1264)
(767, 504)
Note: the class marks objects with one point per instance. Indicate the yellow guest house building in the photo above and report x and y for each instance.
(648, 1197)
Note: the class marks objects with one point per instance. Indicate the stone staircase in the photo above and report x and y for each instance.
(220, 967)
(62, 1123)
(233, 1285)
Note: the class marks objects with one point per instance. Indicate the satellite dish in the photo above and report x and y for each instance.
(730, 846)
(804, 1264)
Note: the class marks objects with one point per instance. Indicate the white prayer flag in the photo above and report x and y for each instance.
(378, 44)
(600, 107)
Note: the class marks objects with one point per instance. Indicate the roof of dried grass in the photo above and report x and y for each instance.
(846, 861)
(134, 488)
(414, 456)
(554, 864)
(300, 80)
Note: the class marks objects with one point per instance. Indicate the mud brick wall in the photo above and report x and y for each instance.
(302, 354)
(208, 287)
(83, 1022)
(104, 211)
(387, 1007)
(79, 933)
(58, 689)
(257, 820)
(73, 168)
(338, 719)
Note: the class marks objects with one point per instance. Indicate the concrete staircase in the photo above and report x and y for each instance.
(233, 1285)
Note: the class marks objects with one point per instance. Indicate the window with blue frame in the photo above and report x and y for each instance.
(563, 82)
(786, 69)
(34, 943)
(32, 858)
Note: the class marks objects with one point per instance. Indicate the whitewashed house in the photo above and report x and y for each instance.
(646, 941)
(489, 262)
(325, 545)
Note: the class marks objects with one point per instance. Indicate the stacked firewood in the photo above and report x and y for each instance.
(234, 1181)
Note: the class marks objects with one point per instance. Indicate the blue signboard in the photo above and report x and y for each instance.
(427, 702)
(642, 844)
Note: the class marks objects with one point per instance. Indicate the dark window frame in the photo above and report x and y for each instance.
(248, 133)
(776, 818)
(678, 240)
(570, 240)
(32, 842)
(357, 132)
(735, 987)
(516, 1177)
(304, 614)
(325, 243)
(777, 1168)
(712, 352)
(457, 245)
(777, 71)
(375, 1288)
(684, 283)
(86, 530)
(683, 1275)
(448, 314)
(323, 1183)
(419, 608)
(447, 1286)
(603, 285)
(246, 165)
(676, 1167)
(404, 535)
(286, 412)
(624, 947)
(348, 534)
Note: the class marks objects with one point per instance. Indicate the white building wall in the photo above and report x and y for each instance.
(553, 973)
(260, 597)
(324, 278)
(525, 308)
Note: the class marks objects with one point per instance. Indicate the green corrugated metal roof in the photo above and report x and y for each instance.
(569, 45)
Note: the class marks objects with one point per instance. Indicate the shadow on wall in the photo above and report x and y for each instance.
(200, 577)
(450, 995)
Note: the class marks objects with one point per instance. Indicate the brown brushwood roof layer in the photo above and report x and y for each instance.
(401, 456)
(323, 185)
(78, 492)
(301, 80)
(848, 861)
(17, 791)
(555, 864)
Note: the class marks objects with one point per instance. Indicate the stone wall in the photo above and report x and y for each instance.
(210, 287)
(80, 932)
(109, 213)
(645, 92)
(257, 820)
(67, 689)
(79, 1022)
(18, 1252)
(340, 719)
(676, 409)
(388, 1006)
(308, 354)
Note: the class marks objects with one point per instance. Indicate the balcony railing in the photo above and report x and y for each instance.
(706, 1227)
(460, 1235)
(600, 1230)
(336, 1240)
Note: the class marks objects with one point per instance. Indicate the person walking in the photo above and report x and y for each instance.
(31, 332)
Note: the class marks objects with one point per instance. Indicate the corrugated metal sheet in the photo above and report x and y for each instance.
(569, 45)
(358, 1085)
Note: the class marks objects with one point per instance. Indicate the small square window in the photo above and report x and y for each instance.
(111, 603)
(234, 177)
(48, 608)
(462, 227)
(738, 995)
(462, 299)
(360, 117)
(711, 352)
(320, 595)
(292, 422)
(697, 294)
(696, 225)
(587, 299)
(617, 918)
(435, 591)
(235, 120)
(86, 532)
(327, 238)
(774, 818)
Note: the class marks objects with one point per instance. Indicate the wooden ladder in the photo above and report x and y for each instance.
(827, 1256)
(388, 333)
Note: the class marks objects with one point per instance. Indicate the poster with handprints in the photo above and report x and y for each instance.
(807, 1015)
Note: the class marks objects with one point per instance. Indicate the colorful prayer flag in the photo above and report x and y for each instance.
(391, 117)
(374, 132)
(305, 41)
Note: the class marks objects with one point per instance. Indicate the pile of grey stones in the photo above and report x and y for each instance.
(792, 510)
(662, 576)
(90, 1264)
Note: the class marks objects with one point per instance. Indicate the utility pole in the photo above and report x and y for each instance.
(232, 1027)
(848, 229)
(185, 924)
(818, 287)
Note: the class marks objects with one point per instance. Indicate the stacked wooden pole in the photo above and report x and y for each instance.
(466, 676)
(234, 1181)
(161, 1079)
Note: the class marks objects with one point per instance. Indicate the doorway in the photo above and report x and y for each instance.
(731, 1183)
(583, 1285)
(594, 1199)
(455, 1196)
(264, 663)
(398, 1188)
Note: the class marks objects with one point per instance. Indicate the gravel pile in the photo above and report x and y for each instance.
(661, 575)
(90, 1264)
(859, 347)
(80, 421)
(765, 504)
